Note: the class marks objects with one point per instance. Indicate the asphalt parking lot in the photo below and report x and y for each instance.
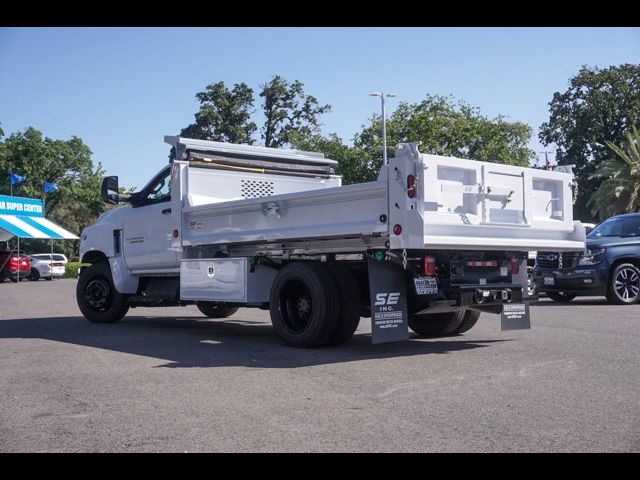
(172, 380)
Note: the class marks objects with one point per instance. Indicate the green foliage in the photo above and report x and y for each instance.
(68, 164)
(71, 269)
(443, 126)
(619, 191)
(596, 109)
(350, 164)
(224, 115)
(289, 112)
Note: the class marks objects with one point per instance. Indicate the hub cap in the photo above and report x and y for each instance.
(627, 284)
(296, 307)
(98, 294)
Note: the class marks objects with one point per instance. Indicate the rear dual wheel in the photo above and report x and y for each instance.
(314, 304)
(443, 324)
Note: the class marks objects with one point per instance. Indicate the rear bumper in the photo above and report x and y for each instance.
(14, 273)
(585, 280)
(488, 298)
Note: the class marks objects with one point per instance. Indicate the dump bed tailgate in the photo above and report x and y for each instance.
(452, 203)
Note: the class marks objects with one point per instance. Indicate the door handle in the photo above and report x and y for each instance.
(166, 211)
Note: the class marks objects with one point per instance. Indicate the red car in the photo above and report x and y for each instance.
(11, 264)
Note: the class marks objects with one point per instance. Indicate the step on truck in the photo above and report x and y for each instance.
(429, 245)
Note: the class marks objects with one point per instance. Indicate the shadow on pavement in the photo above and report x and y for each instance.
(196, 342)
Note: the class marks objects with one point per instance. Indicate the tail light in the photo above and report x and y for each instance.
(397, 229)
(411, 186)
(14, 263)
(430, 266)
(515, 265)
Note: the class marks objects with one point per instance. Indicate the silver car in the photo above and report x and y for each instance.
(47, 265)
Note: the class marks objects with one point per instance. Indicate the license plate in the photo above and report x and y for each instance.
(425, 285)
(549, 281)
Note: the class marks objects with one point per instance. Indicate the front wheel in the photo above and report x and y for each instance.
(624, 285)
(562, 297)
(216, 309)
(97, 297)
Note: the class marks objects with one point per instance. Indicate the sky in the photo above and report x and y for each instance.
(122, 89)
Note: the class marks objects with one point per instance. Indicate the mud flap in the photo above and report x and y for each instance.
(389, 320)
(515, 316)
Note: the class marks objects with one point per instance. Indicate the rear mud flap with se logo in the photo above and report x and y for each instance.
(389, 320)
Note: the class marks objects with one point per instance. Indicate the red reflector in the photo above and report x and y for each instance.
(397, 229)
(411, 186)
(515, 265)
(430, 266)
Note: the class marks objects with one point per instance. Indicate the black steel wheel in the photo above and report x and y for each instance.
(304, 304)
(97, 297)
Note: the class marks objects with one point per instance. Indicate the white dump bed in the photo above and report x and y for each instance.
(458, 204)
(468, 204)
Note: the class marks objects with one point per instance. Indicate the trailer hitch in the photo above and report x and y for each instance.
(481, 295)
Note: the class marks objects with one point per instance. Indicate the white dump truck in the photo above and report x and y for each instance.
(429, 245)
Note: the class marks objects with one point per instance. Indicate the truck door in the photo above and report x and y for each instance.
(148, 227)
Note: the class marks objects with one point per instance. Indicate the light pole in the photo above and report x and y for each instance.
(382, 95)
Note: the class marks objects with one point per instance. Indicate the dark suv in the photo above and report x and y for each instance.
(610, 265)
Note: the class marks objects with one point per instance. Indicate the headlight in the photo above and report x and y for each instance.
(591, 256)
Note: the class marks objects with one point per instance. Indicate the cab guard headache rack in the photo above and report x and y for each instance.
(205, 153)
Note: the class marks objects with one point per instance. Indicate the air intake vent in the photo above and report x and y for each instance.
(255, 188)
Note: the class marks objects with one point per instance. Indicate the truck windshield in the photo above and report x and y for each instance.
(617, 227)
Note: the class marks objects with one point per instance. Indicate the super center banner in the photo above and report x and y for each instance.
(27, 207)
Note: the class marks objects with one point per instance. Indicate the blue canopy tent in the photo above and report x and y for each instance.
(24, 218)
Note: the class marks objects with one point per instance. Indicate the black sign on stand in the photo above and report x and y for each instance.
(515, 316)
(389, 322)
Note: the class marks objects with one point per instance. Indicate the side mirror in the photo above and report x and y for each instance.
(109, 190)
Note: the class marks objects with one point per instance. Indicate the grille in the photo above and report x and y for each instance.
(255, 188)
(558, 260)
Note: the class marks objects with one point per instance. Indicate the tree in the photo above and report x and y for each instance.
(445, 127)
(596, 109)
(350, 164)
(288, 112)
(66, 163)
(619, 191)
(224, 115)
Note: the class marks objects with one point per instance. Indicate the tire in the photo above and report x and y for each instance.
(35, 275)
(436, 324)
(304, 304)
(216, 309)
(469, 320)
(624, 285)
(97, 297)
(561, 297)
(349, 294)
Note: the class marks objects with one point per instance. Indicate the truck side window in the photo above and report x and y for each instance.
(160, 191)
